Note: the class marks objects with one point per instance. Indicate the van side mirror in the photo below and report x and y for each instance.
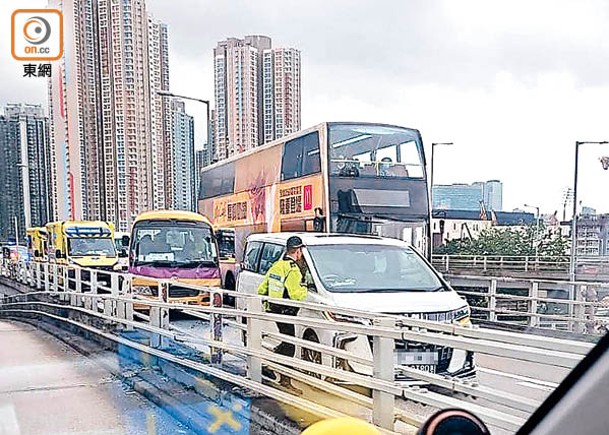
(122, 253)
(58, 254)
(36, 253)
(125, 240)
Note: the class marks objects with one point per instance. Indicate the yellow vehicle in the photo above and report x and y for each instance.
(84, 243)
(37, 243)
(175, 245)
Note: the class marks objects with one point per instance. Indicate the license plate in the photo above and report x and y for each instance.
(406, 358)
(429, 368)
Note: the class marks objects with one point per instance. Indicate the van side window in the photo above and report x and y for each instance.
(270, 254)
(252, 254)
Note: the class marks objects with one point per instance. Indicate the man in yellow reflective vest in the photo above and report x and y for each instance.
(283, 281)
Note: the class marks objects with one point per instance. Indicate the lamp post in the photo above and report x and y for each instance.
(431, 173)
(574, 218)
(183, 97)
(536, 229)
(209, 146)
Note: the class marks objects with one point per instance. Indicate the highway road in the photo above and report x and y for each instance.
(47, 387)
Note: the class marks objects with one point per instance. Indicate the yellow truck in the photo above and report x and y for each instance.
(88, 244)
(37, 243)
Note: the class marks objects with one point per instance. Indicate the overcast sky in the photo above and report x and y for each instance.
(513, 84)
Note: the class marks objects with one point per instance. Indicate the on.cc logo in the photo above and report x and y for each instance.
(37, 34)
(36, 30)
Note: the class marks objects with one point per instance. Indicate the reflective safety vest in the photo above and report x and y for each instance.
(282, 281)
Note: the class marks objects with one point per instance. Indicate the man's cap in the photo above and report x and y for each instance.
(294, 242)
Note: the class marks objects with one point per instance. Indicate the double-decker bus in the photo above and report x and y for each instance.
(175, 245)
(347, 177)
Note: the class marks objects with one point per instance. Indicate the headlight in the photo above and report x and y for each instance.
(350, 319)
(461, 313)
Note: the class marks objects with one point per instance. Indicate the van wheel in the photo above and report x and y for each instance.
(229, 284)
(311, 355)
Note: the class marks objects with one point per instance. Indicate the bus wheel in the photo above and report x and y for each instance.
(229, 284)
(311, 355)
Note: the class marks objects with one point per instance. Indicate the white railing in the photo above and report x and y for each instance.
(585, 265)
(447, 263)
(575, 306)
(108, 296)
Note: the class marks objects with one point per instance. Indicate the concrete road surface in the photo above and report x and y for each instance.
(48, 388)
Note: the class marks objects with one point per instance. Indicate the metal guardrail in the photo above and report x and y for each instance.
(527, 264)
(58, 290)
(581, 309)
(485, 263)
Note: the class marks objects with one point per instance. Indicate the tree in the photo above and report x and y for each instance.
(508, 241)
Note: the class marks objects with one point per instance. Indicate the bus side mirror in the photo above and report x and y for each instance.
(125, 240)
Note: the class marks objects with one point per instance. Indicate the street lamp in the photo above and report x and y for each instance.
(574, 218)
(537, 228)
(209, 145)
(183, 97)
(431, 173)
(27, 202)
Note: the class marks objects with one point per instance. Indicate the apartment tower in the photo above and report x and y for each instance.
(257, 94)
(109, 127)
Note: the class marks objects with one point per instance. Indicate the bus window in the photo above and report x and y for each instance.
(311, 163)
(409, 156)
(370, 151)
(301, 157)
(218, 181)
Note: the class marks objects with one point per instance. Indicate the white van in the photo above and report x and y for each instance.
(371, 274)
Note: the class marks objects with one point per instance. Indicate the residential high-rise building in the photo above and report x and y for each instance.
(468, 196)
(257, 94)
(281, 92)
(109, 128)
(200, 163)
(161, 117)
(183, 159)
(24, 169)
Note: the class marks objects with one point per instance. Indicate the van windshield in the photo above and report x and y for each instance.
(372, 268)
(91, 246)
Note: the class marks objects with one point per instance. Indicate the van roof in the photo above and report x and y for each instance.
(166, 215)
(313, 239)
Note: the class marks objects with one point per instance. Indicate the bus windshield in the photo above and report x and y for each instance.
(78, 247)
(374, 151)
(226, 244)
(175, 244)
